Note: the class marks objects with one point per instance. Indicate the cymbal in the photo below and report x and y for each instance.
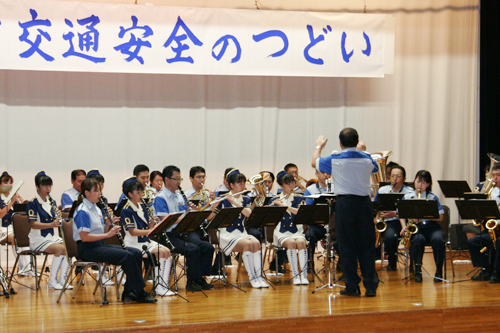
(5, 188)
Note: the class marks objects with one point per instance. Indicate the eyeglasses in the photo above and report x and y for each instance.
(176, 179)
(200, 177)
(396, 176)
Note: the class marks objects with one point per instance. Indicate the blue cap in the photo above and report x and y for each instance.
(128, 181)
(41, 173)
(93, 172)
(281, 174)
(232, 172)
(5, 173)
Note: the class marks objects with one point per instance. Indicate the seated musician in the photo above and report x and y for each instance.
(156, 181)
(429, 231)
(224, 187)
(469, 228)
(198, 253)
(134, 216)
(300, 182)
(235, 238)
(490, 267)
(315, 232)
(7, 232)
(259, 232)
(88, 232)
(394, 225)
(289, 235)
(141, 172)
(43, 219)
(71, 195)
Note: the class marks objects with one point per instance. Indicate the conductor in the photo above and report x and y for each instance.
(351, 171)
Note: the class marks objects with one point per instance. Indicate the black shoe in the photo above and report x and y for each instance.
(418, 277)
(438, 277)
(495, 277)
(146, 298)
(129, 297)
(192, 286)
(204, 284)
(483, 276)
(371, 293)
(391, 268)
(345, 292)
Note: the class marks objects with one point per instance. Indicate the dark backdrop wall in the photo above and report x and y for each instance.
(489, 95)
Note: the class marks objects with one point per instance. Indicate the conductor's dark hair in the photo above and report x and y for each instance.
(43, 181)
(349, 137)
(288, 166)
(424, 175)
(131, 187)
(399, 167)
(76, 173)
(194, 170)
(140, 168)
(285, 179)
(168, 171)
(153, 175)
(237, 178)
(98, 177)
(270, 174)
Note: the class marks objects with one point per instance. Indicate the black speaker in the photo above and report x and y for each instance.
(458, 238)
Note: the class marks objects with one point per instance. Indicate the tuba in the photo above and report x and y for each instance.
(259, 188)
(489, 183)
(381, 159)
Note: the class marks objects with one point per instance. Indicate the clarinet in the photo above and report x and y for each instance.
(110, 218)
(57, 212)
(205, 234)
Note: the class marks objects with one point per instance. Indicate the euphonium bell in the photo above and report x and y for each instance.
(380, 226)
(259, 188)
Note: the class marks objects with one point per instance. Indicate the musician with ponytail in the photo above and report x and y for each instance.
(88, 232)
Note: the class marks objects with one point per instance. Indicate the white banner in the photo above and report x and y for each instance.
(98, 37)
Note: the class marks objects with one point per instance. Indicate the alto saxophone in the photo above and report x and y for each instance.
(411, 227)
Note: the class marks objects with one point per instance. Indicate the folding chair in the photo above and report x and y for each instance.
(72, 252)
(21, 226)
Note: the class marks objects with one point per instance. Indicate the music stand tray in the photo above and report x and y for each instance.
(191, 222)
(454, 188)
(163, 226)
(474, 195)
(312, 214)
(418, 209)
(387, 201)
(265, 217)
(477, 209)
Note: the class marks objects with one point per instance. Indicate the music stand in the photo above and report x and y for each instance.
(224, 218)
(159, 231)
(418, 209)
(118, 208)
(454, 188)
(262, 217)
(478, 210)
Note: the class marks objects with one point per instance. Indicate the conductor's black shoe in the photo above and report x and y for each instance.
(146, 298)
(438, 277)
(483, 276)
(129, 297)
(495, 277)
(345, 292)
(371, 293)
(193, 286)
(418, 277)
(204, 284)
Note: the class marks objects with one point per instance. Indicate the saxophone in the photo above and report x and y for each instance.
(411, 227)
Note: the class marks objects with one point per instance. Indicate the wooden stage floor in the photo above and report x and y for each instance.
(432, 307)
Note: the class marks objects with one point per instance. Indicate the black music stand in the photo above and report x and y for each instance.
(224, 218)
(478, 210)
(454, 188)
(262, 217)
(311, 215)
(418, 209)
(159, 233)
